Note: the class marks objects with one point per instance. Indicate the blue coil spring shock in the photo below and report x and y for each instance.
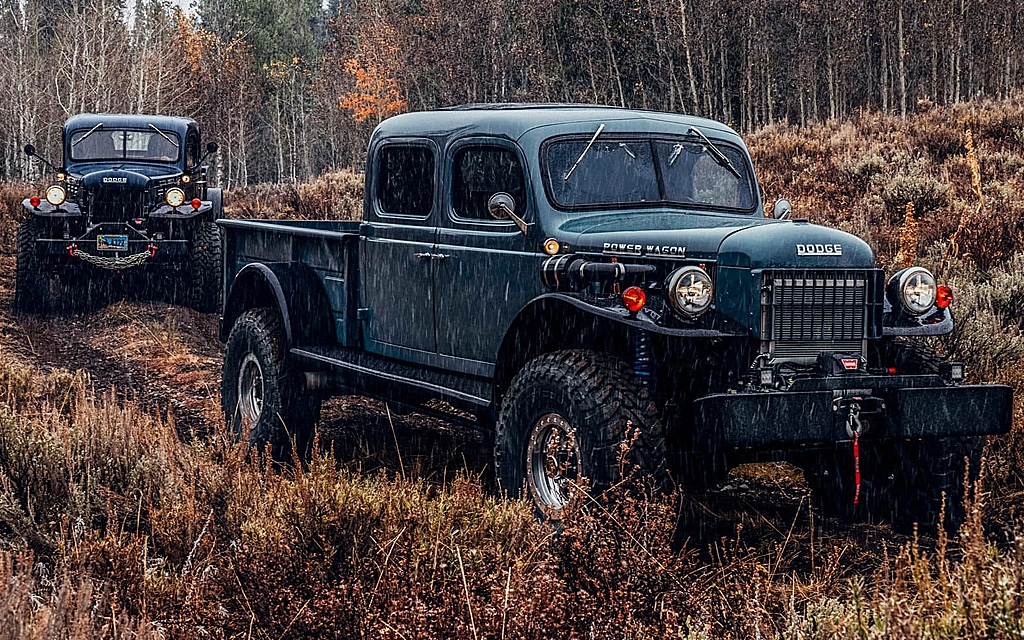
(643, 361)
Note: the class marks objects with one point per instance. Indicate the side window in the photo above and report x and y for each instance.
(405, 180)
(478, 173)
(192, 151)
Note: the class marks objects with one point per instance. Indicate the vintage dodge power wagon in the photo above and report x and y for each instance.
(601, 288)
(129, 207)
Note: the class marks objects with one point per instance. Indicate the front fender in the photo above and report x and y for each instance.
(47, 210)
(292, 288)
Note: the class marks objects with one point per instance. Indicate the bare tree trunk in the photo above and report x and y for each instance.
(689, 56)
(902, 62)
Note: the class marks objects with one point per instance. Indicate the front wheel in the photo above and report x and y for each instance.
(260, 395)
(31, 285)
(573, 419)
(205, 268)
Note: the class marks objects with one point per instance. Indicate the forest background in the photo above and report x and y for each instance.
(291, 88)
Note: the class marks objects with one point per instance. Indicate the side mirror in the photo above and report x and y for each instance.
(782, 210)
(30, 150)
(503, 207)
(211, 147)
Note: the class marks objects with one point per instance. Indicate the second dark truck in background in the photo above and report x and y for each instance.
(578, 277)
(129, 199)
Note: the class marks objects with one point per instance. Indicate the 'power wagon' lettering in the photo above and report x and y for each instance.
(628, 249)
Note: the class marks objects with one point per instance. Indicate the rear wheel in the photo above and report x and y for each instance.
(260, 395)
(571, 419)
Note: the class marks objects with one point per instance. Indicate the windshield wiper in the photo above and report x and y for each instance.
(164, 135)
(716, 153)
(87, 134)
(579, 159)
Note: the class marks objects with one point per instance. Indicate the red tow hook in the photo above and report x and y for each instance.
(152, 250)
(71, 248)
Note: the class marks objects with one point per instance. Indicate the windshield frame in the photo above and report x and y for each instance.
(651, 138)
(174, 135)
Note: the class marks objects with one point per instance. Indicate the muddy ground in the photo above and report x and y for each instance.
(168, 358)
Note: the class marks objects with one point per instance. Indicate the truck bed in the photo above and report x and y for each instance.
(327, 247)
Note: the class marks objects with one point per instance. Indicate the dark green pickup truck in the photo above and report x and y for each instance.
(583, 277)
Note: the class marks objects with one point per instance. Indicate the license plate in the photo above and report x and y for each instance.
(111, 243)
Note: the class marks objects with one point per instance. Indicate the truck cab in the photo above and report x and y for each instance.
(582, 277)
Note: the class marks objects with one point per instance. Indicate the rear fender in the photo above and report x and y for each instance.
(291, 288)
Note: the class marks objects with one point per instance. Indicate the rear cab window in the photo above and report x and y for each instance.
(405, 174)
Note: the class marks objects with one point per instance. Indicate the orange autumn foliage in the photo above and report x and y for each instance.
(376, 94)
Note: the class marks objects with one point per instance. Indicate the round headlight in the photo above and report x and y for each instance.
(690, 290)
(917, 290)
(55, 195)
(175, 197)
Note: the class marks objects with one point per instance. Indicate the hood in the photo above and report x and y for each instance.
(738, 241)
(116, 179)
(92, 174)
(653, 233)
(797, 244)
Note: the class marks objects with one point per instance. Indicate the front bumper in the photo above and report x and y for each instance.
(911, 407)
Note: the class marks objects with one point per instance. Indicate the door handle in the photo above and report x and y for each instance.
(431, 256)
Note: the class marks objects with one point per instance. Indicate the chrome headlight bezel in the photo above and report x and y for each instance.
(690, 291)
(917, 290)
(56, 195)
(175, 197)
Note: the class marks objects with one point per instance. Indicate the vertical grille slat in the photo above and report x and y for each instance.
(809, 311)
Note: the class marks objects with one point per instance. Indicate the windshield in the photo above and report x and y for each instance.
(122, 144)
(646, 171)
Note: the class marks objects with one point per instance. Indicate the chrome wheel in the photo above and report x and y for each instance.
(552, 462)
(250, 390)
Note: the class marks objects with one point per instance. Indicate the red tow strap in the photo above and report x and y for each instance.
(856, 467)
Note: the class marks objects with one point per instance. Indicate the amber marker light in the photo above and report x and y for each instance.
(196, 203)
(634, 299)
(551, 246)
(943, 296)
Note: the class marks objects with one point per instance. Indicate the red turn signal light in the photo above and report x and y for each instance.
(34, 201)
(943, 296)
(634, 299)
(196, 203)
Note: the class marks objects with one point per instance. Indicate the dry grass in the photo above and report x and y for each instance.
(337, 195)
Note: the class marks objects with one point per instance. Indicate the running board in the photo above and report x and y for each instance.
(363, 372)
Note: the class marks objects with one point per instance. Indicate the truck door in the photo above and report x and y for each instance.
(490, 270)
(396, 251)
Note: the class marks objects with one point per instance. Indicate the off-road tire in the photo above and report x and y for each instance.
(288, 410)
(205, 269)
(599, 396)
(903, 482)
(32, 286)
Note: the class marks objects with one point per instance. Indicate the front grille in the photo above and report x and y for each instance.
(806, 312)
(109, 205)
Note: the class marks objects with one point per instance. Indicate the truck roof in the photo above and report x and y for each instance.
(129, 121)
(513, 120)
